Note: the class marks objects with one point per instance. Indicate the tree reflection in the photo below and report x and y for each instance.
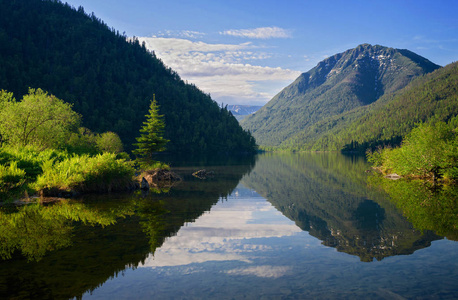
(426, 206)
(35, 229)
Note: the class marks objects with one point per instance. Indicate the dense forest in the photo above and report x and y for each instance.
(109, 79)
(337, 85)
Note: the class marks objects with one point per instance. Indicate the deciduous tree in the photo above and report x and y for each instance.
(38, 119)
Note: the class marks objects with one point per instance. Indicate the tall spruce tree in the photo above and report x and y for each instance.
(151, 138)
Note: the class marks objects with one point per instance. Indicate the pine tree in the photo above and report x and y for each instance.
(151, 138)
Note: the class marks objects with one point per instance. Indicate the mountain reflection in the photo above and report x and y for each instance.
(326, 194)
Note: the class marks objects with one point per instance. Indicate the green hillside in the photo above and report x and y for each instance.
(338, 84)
(109, 80)
(387, 121)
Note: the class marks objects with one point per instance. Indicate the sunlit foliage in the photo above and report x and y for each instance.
(428, 151)
(38, 119)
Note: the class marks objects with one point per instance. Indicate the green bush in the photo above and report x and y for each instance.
(30, 158)
(38, 119)
(103, 172)
(109, 142)
(12, 180)
(429, 151)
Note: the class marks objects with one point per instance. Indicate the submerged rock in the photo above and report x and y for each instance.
(393, 176)
(203, 174)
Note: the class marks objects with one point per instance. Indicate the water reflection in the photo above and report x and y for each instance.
(224, 233)
(216, 238)
(426, 206)
(76, 254)
(326, 194)
(35, 229)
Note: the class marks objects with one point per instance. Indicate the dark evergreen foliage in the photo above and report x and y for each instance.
(110, 80)
(151, 139)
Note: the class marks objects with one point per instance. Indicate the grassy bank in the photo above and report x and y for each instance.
(53, 172)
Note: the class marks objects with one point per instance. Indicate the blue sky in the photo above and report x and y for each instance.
(244, 52)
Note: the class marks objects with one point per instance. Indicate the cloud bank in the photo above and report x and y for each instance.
(231, 73)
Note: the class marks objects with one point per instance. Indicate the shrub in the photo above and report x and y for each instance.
(109, 142)
(38, 119)
(30, 158)
(429, 151)
(12, 180)
(103, 172)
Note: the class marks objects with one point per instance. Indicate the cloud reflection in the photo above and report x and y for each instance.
(232, 230)
(262, 271)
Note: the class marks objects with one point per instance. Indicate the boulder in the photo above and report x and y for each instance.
(159, 177)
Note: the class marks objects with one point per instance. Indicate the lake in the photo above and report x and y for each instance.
(273, 226)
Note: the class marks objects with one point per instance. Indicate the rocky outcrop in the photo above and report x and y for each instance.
(158, 177)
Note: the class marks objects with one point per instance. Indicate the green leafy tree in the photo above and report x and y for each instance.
(109, 142)
(38, 119)
(151, 139)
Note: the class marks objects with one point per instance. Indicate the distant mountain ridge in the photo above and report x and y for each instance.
(338, 84)
(243, 110)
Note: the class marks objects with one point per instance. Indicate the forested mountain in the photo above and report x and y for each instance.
(338, 84)
(387, 121)
(110, 81)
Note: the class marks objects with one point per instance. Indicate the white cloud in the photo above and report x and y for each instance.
(226, 71)
(259, 33)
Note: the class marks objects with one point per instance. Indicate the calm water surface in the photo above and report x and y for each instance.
(283, 226)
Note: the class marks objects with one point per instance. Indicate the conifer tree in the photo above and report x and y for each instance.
(151, 138)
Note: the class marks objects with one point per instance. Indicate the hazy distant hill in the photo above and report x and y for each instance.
(241, 111)
(110, 81)
(338, 84)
